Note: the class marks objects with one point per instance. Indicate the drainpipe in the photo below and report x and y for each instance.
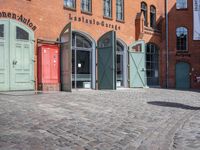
(167, 44)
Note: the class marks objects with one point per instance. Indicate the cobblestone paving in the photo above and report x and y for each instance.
(131, 119)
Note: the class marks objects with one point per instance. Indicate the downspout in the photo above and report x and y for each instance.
(167, 44)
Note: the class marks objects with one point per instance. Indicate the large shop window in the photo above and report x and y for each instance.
(120, 10)
(1, 30)
(153, 16)
(86, 6)
(108, 8)
(81, 61)
(181, 39)
(144, 11)
(181, 4)
(152, 64)
(70, 3)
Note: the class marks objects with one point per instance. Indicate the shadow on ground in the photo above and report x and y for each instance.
(172, 104)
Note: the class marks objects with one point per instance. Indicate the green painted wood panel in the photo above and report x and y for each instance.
(4, 55)
(107, 61)
(21, 58)
(182, 75)
(18, 61)
(137, 66)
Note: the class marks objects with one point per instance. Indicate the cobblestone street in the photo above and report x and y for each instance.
(126, 119)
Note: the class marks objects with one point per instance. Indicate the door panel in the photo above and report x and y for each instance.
(4, 55)
(182, 75)
(21, 58)
(66, 58)
(107, 61)
(137, 70)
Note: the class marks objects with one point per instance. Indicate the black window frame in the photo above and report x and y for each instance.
(122, 11)
(181, 39)
(104, 9)
(144, 11)
(153, 16)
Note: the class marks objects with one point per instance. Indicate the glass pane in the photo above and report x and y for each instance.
(1, 30)
(69, 3)
(83, 69)
(21, 34)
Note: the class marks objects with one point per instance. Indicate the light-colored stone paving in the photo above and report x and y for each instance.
(142, 119)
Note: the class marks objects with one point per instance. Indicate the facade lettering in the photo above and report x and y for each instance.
(20, 18)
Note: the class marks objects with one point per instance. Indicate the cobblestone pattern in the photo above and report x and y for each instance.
(99, 120)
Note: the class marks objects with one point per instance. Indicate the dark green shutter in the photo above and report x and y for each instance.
(66, 58)
(107, 61)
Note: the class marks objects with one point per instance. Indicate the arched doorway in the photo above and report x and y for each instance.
(152, 64)
(83, 58)
(121, 66)
(16, 56)
(182, 75)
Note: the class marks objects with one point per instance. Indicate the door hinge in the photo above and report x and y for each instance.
(33, 60)
(33, 81)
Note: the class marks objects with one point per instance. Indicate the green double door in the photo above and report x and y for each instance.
(16, 56)
(137, 66)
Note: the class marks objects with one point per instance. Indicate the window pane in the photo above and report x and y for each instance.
(144, 11)
(69, 3)
(1, 30)
(181, 4)
(153, 17)
(107, 8)
(120, 9)
(181, 38)
(21, 34)
(86, 5)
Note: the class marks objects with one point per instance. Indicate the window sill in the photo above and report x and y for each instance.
(86, 12)
(69, 8)
(108, 18)
(181, 9)
(182, 51)
(121, 21)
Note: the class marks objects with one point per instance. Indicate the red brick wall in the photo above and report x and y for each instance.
(50, 17)
(183, 18)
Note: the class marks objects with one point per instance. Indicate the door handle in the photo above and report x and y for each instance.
(14, 62)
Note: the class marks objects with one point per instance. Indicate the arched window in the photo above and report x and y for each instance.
(86, 5)
(108, 8)
(70, 3)
(144, 11)
(181, 4)
(120, 10)
(181, 39)
(81, 61)
(153, 16)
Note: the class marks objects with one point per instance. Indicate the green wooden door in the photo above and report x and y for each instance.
(137, 66)
(66, 58)
(4, 55)
(19, 57)
(182, 75)
(107, 61)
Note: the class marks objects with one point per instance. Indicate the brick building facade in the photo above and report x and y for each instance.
(46, 21)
